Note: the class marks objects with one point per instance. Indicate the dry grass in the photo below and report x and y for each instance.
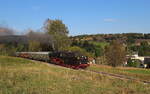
(21, 76)
(139, 73)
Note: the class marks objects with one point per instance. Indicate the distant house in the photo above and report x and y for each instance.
(135, 56)
(145, 60)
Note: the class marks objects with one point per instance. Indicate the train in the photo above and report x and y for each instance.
(67, 59)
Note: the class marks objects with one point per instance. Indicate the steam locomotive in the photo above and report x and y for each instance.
(63, 58)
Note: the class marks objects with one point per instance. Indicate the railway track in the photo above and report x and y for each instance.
(122, 77)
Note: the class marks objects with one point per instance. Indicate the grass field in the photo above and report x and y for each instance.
(139, 73)
(21, 76)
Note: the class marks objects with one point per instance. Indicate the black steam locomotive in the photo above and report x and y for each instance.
(69, 59)
(63, 58)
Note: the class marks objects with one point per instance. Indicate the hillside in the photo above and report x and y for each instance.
(21, 76)
(124, 37)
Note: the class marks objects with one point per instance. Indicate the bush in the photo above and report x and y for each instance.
(8, 52)
(133, 63)
(34, 46)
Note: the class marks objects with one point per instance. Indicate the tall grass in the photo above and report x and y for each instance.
(138, 73)
(21, 76)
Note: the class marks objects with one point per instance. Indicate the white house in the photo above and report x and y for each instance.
(137, 57)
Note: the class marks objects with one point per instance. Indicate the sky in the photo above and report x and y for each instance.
(80, 16)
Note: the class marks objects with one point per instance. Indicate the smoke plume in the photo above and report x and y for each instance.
(4, 31)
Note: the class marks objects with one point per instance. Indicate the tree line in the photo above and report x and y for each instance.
(110, 49)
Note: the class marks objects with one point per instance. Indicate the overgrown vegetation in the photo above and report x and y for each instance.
(96, 49)
(133, 63)
(21, 76)
(138, 73)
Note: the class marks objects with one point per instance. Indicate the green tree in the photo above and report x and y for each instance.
(21, 47)
(91, 47)
(130, 40)
(144, 49)
(43, 38)
(133, 63)
(59, 32)
(34, 46)
(115, 54)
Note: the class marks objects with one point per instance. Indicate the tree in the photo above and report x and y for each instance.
(130, 40)
(45, 40)
(34, 46)
(144, 49)
(59, 32)
(20, 48)
(91, 47)
(133, 63)
(115, 54)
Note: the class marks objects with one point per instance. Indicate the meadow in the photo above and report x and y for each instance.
(22, 76)
(138, 73)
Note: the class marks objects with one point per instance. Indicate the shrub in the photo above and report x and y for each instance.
(7, 50)
(133, 63)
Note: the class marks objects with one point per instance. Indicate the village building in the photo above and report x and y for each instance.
(144, 60)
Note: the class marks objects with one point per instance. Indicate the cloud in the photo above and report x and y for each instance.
(110, 20)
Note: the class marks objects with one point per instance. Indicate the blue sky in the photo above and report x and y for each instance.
(81, 16)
